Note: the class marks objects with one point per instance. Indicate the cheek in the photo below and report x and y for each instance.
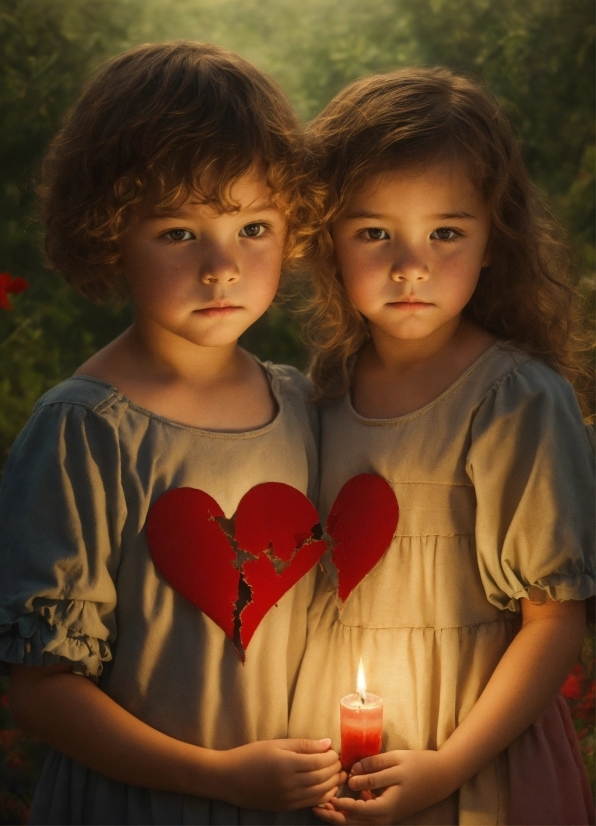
(460, 287)
(363, 271)
(345, 255)
(270, 272)
(268, 287)
(348, 265)
(359, 289)
(267, 261)
(263, 274)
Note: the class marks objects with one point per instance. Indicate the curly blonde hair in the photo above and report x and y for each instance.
(154, 125)
(405, 120)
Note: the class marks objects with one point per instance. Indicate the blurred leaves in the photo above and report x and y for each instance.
(47, 49)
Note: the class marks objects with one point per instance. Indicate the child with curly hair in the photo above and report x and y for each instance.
(446, 331)
(176, 181)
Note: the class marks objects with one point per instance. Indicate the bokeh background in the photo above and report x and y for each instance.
(536, 55)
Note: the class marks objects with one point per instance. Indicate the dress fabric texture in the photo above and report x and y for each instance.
(495, 485)
(77, 584)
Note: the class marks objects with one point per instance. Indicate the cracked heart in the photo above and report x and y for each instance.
(271, 542)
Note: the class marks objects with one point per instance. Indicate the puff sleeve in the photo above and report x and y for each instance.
(532, 467)
(62, 512)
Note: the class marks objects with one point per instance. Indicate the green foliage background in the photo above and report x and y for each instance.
(536, 55)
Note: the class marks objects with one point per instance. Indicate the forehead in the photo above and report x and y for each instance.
(249, 193)
(440, 188)
(250, 189)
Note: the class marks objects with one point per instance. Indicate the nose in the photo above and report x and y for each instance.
(218, 267)
(408, 266)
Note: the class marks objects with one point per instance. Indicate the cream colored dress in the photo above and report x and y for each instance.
(495, 486)
(77, 584)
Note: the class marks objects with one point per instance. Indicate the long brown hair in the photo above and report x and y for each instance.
(416, 117)
(154, 125)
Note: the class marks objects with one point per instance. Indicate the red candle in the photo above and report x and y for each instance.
(361, 722)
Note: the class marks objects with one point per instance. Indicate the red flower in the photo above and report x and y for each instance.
(8, 284)
(571, 688)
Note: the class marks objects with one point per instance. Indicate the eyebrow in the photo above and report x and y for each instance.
(362, 213)
(458, 215)
(263, 206)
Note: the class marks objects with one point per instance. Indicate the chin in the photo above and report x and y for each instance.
(217, 341)
(410, 335)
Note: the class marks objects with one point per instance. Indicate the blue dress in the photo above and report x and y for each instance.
(78, 584)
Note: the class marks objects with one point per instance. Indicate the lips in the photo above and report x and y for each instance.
(410, 305)
(215, 312)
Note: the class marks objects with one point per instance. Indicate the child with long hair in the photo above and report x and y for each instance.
(124, 616)
(446, 331)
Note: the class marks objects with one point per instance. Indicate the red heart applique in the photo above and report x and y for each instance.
(192, 552)
(361, 524)
(274, 523)
(278, 518)
(277, 528)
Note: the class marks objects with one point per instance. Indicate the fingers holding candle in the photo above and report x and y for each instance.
(319, 773)
(371, 811)
(332, 812)
(365, 794)
(405, 781)
(375, 772)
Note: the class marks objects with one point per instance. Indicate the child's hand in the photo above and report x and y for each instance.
(278, 775)
(411, 780)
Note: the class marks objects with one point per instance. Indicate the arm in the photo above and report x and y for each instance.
(526, 679)
(71, 714)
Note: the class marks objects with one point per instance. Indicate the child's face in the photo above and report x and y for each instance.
(410, 247)
(204, 276)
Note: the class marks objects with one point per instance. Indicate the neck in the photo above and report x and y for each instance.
(401, 355)
(396, 377)
(162, 355)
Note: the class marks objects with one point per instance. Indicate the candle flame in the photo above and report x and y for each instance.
(361, 682)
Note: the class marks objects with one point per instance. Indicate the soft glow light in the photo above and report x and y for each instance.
(361, 682)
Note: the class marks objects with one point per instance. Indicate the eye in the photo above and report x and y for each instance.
(376, 234)
(445, 234)
(252, 230)
(177, 235)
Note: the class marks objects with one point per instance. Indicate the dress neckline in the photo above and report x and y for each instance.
(221, 434)
(347, 399)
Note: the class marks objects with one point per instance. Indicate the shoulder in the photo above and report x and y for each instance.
(78, 416)
(528, 402)
(66, 459)
(519, 377)
(82, 391)
(292, 387)
(289, 380)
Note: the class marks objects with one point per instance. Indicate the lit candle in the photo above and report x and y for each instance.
(361, 721)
